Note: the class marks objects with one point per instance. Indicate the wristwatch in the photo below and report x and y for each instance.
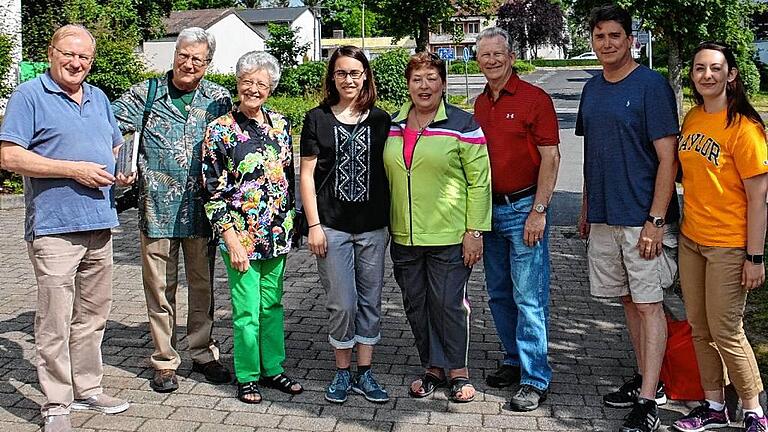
(657, 221)
(755, 259)
(475, 233)
(540, 208)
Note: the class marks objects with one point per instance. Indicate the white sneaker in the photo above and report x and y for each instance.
(102, 403)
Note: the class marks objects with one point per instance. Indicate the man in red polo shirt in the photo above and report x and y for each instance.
(520, 125)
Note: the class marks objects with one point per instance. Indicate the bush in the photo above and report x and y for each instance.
(388, 106)
(6, 46)
(228, 81)
(115, 68)
(389, 72)
(564, 62)
(457, 68)
(304, 79)
(293, 108)
(524, 67)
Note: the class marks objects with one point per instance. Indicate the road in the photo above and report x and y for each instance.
(564, 85)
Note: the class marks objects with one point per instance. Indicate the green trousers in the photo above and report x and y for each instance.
(257, 318)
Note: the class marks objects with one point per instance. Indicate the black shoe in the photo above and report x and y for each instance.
(626, 395)
(504, 376)
(164, 381)
(527, 398)
(214, 372)
(644, 417)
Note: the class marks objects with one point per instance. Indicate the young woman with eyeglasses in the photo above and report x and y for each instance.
(346, 202)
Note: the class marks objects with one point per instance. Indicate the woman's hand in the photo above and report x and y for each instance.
(472, 249)
(238, 256)
(316, 241)
(752, 275)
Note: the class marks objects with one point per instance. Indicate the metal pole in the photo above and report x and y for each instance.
(650, 50)
(363, 47)
(466, 80)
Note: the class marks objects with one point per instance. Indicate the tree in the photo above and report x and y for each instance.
(202, 4)
(532, 23)
(417, 18)
(682, 24)
(347, 15)
(284, 45)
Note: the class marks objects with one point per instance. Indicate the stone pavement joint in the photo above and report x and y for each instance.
(589, 351)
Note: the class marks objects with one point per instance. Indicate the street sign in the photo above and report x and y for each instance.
(642, 37)
(446, 53)
(466, 54)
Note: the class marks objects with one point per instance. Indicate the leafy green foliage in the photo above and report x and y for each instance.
(284, 45)
(228, 81)
(202, 4)
(115, 68)
(532, 23)
(304, 79)
(524, 67)
(11, 183)
(347, 15)
(6, 48)
(389, 73)
(293, 108)
(457, 68)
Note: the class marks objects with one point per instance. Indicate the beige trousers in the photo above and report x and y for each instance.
(160, 268)
(74, 295)
(714, 302)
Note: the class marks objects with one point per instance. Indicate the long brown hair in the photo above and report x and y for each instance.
(367, 96)
(738, 102)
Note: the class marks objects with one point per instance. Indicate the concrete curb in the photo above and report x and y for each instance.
(11, 202)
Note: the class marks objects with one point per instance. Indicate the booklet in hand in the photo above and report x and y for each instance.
(128, 155)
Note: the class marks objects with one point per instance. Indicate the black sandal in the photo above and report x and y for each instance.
(281, 382)
(248, 389)
(429, 382)
(457, 385)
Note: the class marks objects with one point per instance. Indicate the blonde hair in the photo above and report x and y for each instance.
(71, 30)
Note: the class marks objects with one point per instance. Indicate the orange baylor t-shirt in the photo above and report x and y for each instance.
(715, 161)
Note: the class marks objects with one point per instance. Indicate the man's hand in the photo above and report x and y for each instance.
(91, 174)
(534, 228)
(752, 275)
(649, 244)
(122, 181)
(316, 241)
(584, 226)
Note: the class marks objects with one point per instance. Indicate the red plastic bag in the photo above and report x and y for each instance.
(680, 370)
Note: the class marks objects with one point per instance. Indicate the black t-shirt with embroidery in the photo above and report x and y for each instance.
(355, 199)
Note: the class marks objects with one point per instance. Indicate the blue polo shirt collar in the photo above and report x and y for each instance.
(54, 87)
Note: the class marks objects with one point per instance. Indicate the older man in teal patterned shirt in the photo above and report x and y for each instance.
(171, 214)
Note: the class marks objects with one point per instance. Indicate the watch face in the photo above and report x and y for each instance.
(539, 208)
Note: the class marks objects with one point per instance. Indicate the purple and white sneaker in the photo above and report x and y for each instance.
(702, 418)
(753, 423)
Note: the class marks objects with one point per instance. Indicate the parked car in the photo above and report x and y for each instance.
(590, 55)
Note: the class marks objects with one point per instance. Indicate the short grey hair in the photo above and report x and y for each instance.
(197, 35)
(491, 32)
(259, 60)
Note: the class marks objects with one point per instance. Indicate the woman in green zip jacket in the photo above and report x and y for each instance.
(440, 185)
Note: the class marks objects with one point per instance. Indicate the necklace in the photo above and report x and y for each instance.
(419, 124)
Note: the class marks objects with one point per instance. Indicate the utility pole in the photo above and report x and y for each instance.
(363, 33)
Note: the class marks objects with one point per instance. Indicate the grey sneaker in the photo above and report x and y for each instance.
(339, 388)
(102, 403)
(57, 423)
(367, 386)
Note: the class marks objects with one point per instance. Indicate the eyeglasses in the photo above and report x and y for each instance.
(341, 75)
(71, 56)
(249, 84)
(196, 61)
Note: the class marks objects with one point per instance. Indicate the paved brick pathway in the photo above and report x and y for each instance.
(588, 346)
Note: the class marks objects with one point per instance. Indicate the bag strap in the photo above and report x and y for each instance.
(151, 94)
(335, 162)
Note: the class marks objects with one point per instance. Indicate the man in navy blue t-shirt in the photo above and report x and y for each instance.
(628, 118)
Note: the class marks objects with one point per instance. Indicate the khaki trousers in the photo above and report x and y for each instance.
(160, 268)
(74, 295)
(714, 302)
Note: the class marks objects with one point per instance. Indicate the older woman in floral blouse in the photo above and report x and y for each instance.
(249, 176)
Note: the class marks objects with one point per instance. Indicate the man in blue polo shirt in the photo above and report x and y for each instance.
(60, 134)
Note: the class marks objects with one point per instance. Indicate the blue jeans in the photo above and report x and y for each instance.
(517, 277)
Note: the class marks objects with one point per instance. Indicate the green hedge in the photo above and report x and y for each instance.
(564, 62)
(524, 67)
(457, 68)
(293, 108)
(389, 72)
(6, 48)
(228, 81)
(304, 79)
